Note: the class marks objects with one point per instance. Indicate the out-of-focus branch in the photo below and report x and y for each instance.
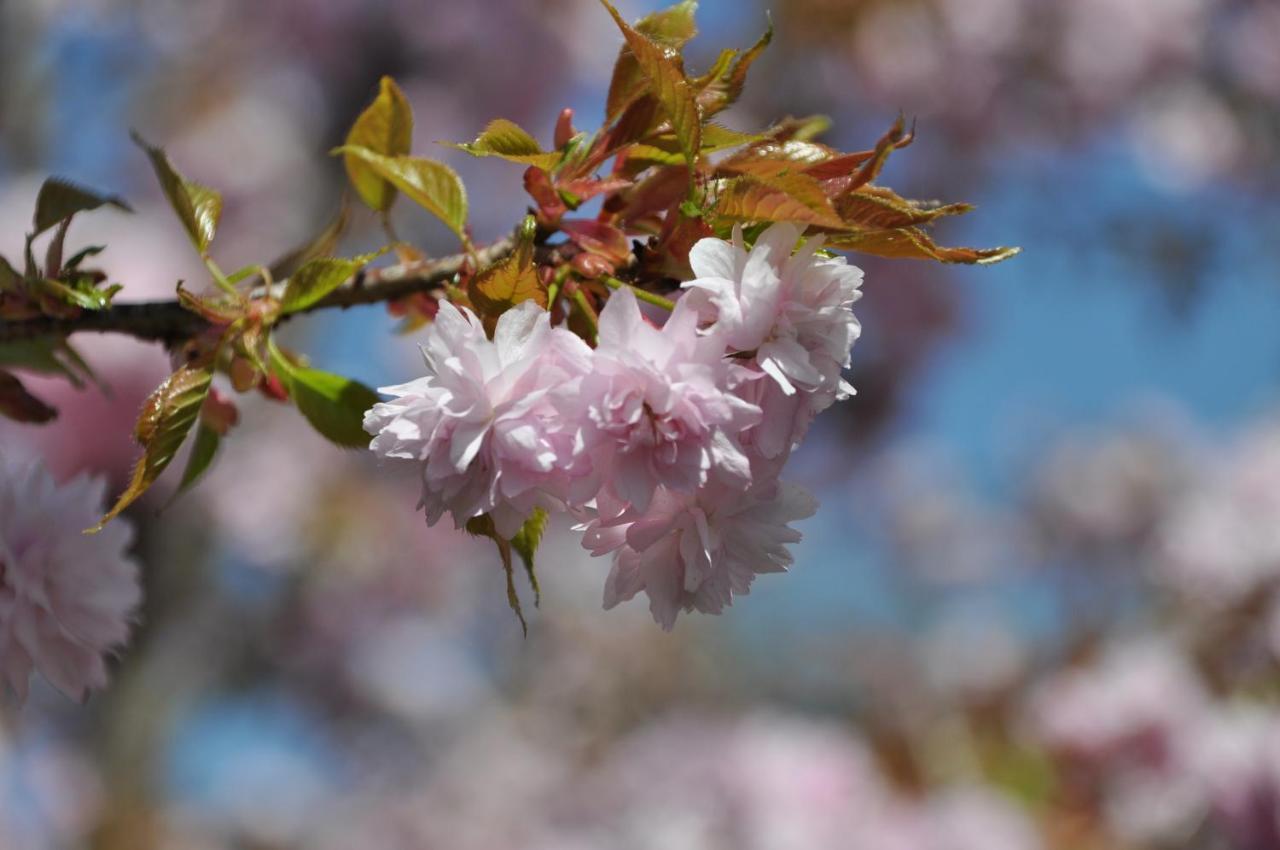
(169, 321)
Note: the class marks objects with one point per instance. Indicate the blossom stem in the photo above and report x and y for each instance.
(553, 291)
(642, 294)
(588, 312)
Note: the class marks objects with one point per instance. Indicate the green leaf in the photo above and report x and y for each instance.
(667, 83)
(789, 196)
(166, 417)
(198, 462)
(198, 207)
(914, 244)
(482, 526)
(526, 544)
(510, 141)
(672, 28)
(334, 405)
(321, 245)
(83, 293)
(430, 184)
(511, 280)
(319, 277)
(60, 199)
(385, 127)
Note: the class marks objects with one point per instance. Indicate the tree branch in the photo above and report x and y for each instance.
(169, 321)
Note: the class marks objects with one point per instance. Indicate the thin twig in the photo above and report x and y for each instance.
(169, 321)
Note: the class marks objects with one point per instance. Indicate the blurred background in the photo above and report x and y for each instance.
(1038, 608)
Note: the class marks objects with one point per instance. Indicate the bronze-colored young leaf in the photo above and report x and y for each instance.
(430, 184)
(875, 207)
(334, 405)
(166, 418)
(18, 404)
(724, 90)
(788, 196)
(896, 138)
(318, 278)
(60, 199)
(510, 141)
(198, 207)
(510, 281)
(385, 127)
(667, 82)
(914, 244)
(770, 157)
(671, 28)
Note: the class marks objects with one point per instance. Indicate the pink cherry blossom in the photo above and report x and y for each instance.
(655, 408)
(699, 550)
(66, 599)
(793, 310)
(482, 421)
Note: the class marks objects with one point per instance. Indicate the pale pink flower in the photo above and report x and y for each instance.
(1129, 708)
(794, 311)
(66, 599)
(482, 421)
(699, 550)
(655, 409)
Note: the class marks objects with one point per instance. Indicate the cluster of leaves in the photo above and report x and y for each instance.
(62, 289)
(665, 171)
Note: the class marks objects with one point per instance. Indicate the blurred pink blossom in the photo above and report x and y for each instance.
(66, 598)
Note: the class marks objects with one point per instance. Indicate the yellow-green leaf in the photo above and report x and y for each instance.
(667, 82)
(59, 200)
(510, 281)
(526, 544)
(319, 277)
(198, 207)
(385, 127)
(510, 141)
(166, 417)
(430, 184)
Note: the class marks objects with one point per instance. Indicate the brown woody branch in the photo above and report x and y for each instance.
(169, 321)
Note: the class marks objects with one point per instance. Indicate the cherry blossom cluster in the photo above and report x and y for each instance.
(665, 439)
